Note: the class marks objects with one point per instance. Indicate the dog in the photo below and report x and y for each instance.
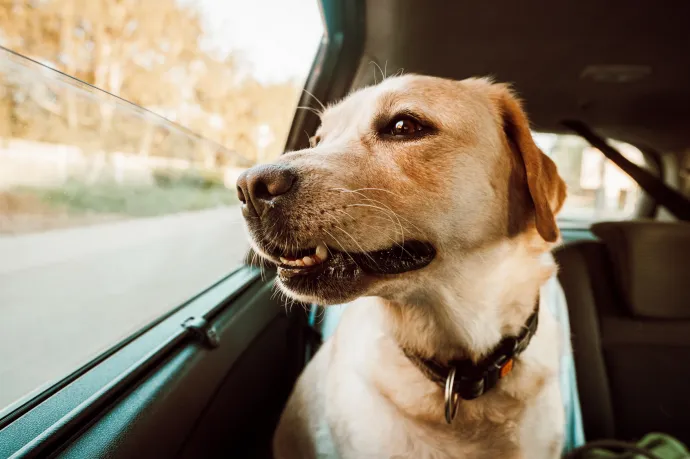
(424, 204)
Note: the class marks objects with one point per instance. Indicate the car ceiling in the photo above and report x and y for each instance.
(544, 49)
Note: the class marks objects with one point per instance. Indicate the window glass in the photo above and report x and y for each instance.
(597, 188)
(112, 214)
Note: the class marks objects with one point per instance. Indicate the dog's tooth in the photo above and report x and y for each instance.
(321, 252)
(284, 261)
(308, 261)
(299, 263)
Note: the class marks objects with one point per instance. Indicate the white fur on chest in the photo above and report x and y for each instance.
(377, 405)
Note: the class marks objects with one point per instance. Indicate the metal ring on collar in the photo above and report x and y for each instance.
(451, 397)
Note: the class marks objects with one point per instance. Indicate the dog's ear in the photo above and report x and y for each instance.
(546, 188)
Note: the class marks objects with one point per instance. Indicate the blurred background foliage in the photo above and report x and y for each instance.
(149, 53)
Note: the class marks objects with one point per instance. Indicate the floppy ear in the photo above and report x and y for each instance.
(546, 187)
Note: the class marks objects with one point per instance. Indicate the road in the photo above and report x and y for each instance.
(67, 295)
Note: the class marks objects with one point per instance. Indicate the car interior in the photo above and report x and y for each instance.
(210, 378)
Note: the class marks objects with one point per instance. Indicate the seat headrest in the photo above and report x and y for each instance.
(651, 263)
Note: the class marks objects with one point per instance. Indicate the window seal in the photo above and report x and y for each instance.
(23, 432)
(334, 68)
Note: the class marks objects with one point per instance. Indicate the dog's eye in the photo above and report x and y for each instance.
(403, 126)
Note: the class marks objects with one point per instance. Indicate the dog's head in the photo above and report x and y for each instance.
(402, 178)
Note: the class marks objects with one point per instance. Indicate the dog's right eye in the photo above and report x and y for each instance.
(402, 127)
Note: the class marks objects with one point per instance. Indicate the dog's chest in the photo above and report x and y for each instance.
(380, 405)
(376, 427)
(394, 437)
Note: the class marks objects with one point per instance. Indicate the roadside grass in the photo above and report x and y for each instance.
(78, 203)
(134, 201)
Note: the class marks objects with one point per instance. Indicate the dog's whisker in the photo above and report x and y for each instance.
(275, 292)
(341, 245)
(323, 107)
(345, 190)
(310, 109)
(386, 212)
(346, 213)
(380, 70)
(376, 228)
(407, 221)
(397, 215)
(358, 244)
(359, 193)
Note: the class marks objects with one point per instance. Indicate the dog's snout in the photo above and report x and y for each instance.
(260, 185)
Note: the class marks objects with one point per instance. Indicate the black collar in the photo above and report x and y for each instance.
(470, 379)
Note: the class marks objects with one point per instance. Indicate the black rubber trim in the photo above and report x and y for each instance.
(52, 420)
(334, 68)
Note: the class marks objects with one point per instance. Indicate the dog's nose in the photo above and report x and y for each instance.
(260, 185)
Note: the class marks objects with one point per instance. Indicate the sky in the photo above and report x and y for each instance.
(278, 38)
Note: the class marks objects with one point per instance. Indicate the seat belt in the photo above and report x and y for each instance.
(663, 194)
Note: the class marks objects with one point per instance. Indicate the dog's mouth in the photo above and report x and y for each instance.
(397, 259)
(321, 269)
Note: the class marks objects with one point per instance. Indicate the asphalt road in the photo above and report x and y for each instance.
(67, 295)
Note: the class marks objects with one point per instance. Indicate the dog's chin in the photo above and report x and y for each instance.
(340, 277)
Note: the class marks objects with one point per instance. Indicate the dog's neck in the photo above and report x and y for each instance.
(466, 306)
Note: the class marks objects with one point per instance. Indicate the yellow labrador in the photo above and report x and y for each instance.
(426, 205)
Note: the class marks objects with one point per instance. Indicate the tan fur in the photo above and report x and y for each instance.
(546, 188)
(479, 190)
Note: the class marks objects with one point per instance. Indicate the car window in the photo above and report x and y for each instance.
(597, 188)
(117, 186)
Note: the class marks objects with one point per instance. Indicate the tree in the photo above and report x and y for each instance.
(147, 52)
